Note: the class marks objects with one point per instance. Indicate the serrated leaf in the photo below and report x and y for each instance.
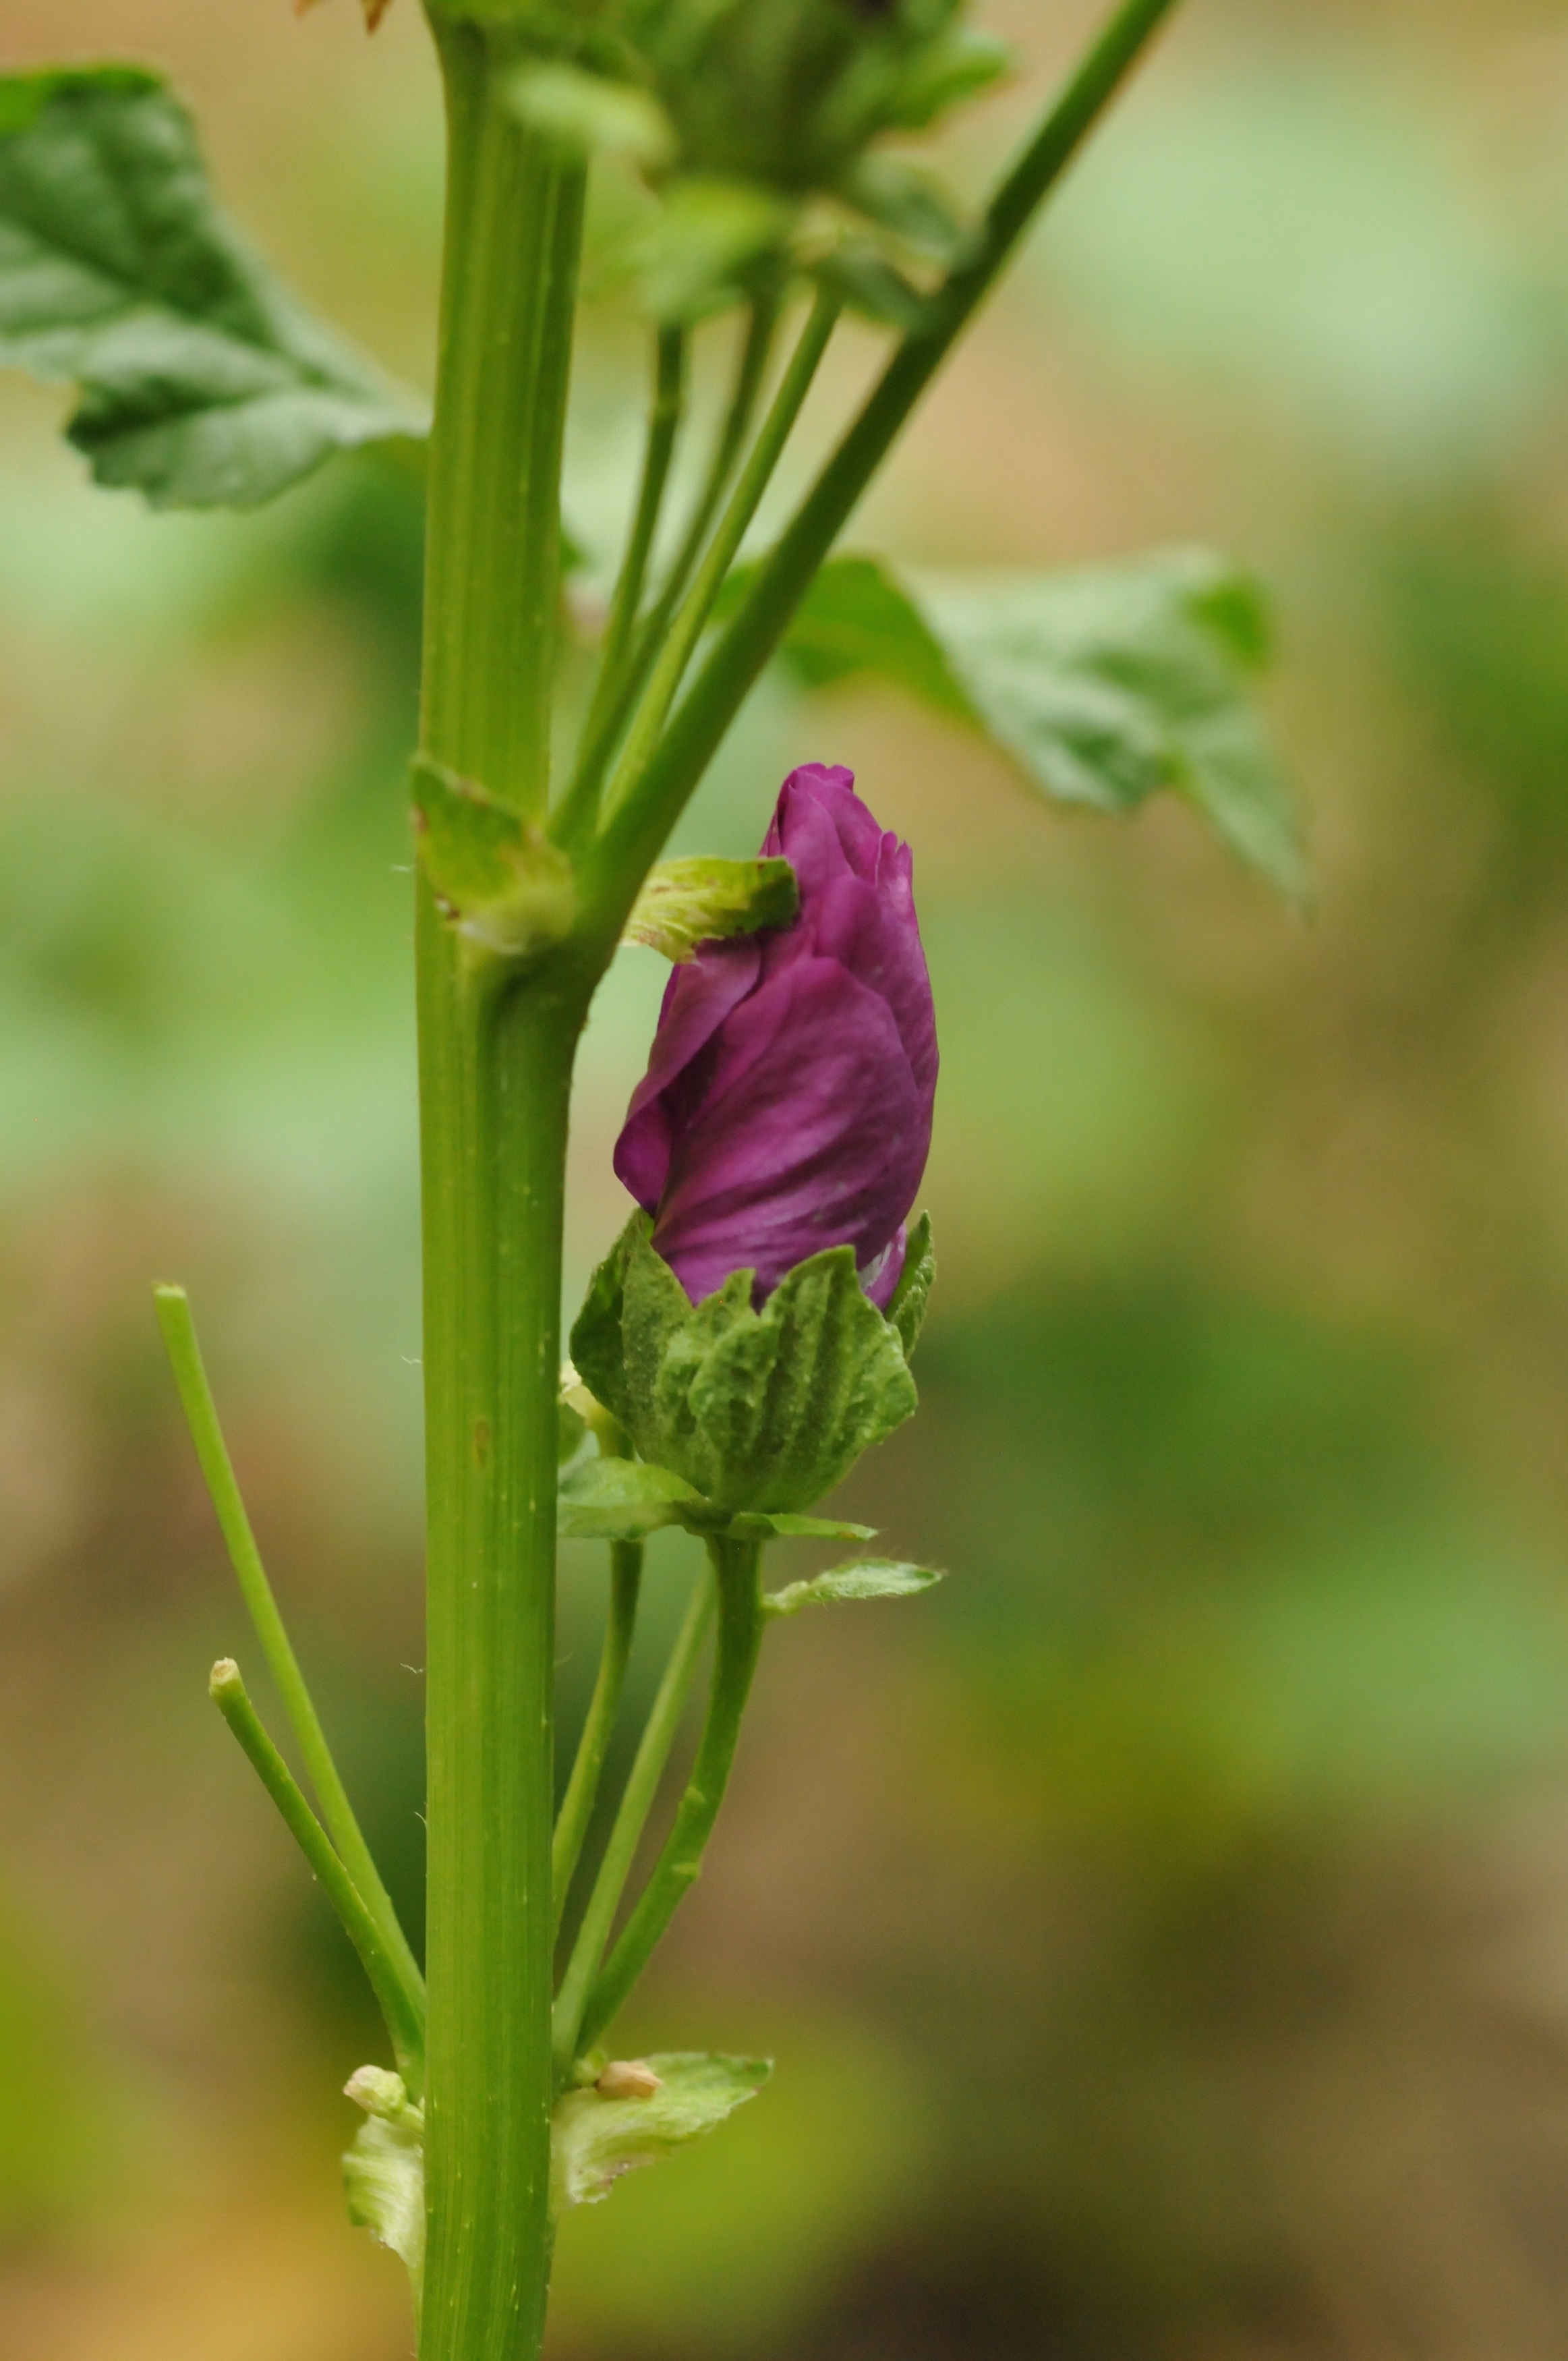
(800, 1529)
(504, 885)
(1105, 685)
(592, 114)
(870, 1578)
(383, 2170)
(619, 1500)
(203, 382)
(907, 1309)
(595, 2139)
(685, 903)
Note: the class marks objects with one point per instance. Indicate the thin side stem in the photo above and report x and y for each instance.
(601, 734)
(671, 347)
(636, 1803)
(184, 1351)
(738, 1570)
(582, 1788)
(633, 838)
(496, 1052)
(687, 627)
(401, 2001)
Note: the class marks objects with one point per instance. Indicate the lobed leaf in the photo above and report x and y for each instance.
(868, 1579)
(203, 382)
(595, 2139)
(685, 903)
(1105, 685)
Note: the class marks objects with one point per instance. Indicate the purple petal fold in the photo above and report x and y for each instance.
(787, 1102)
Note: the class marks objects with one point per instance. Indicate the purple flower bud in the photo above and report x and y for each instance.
(787, 1102)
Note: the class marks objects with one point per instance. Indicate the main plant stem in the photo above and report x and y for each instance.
(495, 1053)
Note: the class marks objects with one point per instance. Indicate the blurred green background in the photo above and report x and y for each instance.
(1163, 1928)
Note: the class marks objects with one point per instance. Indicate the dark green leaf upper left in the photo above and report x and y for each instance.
(203, 382)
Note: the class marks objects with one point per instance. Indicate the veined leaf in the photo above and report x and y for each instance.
(595, 2139)
(1105, 685)
(203, 382)
(869, 1579)
(685, 903)
(383, 2171)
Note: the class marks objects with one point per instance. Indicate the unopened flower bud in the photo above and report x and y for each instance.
(628, 2078)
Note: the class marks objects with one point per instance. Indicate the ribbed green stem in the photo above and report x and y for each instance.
(636, 1803)
(582, 1788)
(401, 2001)
(635, 832)
(178, 1330)
(496, 1055)
(737, 1569)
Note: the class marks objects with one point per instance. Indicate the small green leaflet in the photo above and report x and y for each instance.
(786, 1528)
(594, 2139)
(699, 900)
(203, 382)
(1105, 685)
(503, 884)
(619, 1500)
(870, 1578)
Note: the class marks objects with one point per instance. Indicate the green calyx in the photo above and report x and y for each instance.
(758, 1412)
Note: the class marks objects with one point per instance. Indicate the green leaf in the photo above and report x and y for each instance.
(800, 1529)
(383, 2171)
(203, 383)
(1105, 686)
(571, 1428)
(592, 114)
(619, 1500)
(898, 196)
(501, 883)
(595, 2139)
(691, 253)
(870, 1578)
(870, 284)
(906, 1311)
(685, 903)
(960, 65)
(596, 1345)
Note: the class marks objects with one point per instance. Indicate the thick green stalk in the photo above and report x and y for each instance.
(178, 1330)
(496, 1052)
(401, 2001)
(582, 1788)
(636, 1803)
(737, 1569)
(635, 834)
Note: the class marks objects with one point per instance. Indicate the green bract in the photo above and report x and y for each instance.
(741, 112)
(203, 383)
(756, 1410)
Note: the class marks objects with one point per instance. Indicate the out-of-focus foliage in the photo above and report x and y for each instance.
(1162, 1926)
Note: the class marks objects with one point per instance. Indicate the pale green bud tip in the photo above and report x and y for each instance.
(224, 1681)
(169, 1291)
(377, 2090)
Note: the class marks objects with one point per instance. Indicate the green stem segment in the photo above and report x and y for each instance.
(582, 1789)
(179, 1329)
(638, 829)
(737, 1569)
(401, 1999)
(636, 1803)
(495, 1051)
(687, 627)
